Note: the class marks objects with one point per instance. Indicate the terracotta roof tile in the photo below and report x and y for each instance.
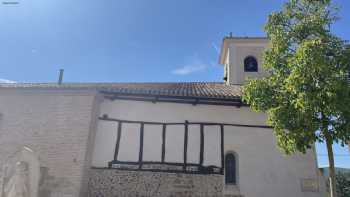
(215, 90)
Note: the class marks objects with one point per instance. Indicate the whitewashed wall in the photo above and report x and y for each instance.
(105, 140)
(129, 143)
(212, 146)
(193, 147)
(262, 169)
(174, 145)
(129, 148)
(152, 145)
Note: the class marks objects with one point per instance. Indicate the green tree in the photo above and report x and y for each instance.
(306, 95)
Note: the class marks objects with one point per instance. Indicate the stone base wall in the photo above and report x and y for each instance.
(123, 183)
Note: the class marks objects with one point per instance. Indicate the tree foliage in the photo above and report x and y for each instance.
(306, 94)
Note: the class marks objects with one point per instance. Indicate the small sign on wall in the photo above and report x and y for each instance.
(309, 185)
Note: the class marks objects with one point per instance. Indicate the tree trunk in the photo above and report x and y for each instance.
(332, 185)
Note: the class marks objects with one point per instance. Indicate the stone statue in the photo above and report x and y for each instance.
(17, 186)
(21, 174)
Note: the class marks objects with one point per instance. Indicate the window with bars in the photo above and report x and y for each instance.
(230, 169)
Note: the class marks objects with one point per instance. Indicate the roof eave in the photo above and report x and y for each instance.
(234, 101)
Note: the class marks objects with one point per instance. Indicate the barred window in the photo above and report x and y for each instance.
(230, 169)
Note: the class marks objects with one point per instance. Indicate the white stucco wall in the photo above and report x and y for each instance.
(212, 146)
(129, 143)
(193, 147)
(174, 147)
(152, 145)
(105, 140)
(262, 170)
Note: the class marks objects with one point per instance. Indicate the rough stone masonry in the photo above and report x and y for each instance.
(112, 183)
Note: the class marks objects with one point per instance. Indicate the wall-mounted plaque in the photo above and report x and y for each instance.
(309, 185)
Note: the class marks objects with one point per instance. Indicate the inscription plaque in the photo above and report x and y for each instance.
(309, 185)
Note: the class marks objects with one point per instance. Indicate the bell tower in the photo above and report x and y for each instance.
(242, 58)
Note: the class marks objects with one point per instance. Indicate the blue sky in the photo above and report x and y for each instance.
(132, 40)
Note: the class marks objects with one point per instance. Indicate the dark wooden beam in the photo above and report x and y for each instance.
(181, 123)
(163, 142)
(116, 150)
(185, 143)
(201, 150)
(222, 148)
(134, 166)
(141, 145)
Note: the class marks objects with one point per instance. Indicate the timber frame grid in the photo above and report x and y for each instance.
(173, 167)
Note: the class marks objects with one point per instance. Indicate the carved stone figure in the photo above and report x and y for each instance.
(17, 186)
(20, 175)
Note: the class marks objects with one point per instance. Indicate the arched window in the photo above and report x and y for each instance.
(250, 64)
(230, 169)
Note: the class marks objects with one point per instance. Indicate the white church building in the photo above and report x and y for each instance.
(155, 139)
